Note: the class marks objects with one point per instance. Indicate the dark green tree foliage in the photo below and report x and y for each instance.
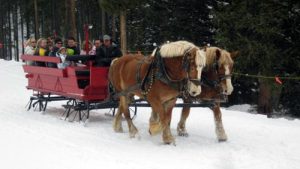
(291, 90)
(115, 6)
(161, 20)
(265, 32)
(120, 7)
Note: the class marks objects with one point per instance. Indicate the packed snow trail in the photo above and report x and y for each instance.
(30, 140)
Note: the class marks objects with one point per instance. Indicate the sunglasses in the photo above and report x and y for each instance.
(59, 43)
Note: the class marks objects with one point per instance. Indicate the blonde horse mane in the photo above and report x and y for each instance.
(175, 49)
(211, 54)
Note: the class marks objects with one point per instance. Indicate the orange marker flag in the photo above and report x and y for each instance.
(278, 80)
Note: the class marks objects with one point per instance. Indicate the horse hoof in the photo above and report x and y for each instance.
(222, 140)
(170, 141)
(181, 131)
(133, 134)
(155, 129)
(118, 130)
(183, 134)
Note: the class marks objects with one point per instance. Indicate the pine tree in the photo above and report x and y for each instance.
(158, 21)
(120, 7)
(258, 30)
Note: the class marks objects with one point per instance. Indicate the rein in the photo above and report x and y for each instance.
(214, 83)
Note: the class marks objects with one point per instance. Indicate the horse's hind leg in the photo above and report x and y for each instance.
(132, 129)
(221, 135)
(117, 122)
(181, 130)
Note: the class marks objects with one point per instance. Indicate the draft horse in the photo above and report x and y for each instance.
(215, 83)
(171, 69)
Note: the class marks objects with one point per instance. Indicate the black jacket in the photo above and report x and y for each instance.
(105, 55)
(53, 54)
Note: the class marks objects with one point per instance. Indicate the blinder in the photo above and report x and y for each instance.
(186, 63)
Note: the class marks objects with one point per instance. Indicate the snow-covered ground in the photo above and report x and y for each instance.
(30, 140)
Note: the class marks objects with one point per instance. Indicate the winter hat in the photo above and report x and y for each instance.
(106, 37)
(60, 49)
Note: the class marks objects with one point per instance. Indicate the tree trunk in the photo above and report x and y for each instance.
(123, 32)
(2, 31)
(264, 98)
(9, 56)
(22, 26)
(113, 27)
(16, 31)
(103, 31)
(36, 20)
(28, 28)
(72, 13)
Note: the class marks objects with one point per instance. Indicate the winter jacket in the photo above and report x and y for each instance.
(53, 53)
(41, 52)
(104, 55)
(63, 63)
(29, 50)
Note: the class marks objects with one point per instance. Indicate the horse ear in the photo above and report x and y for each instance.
(234, 54)
(218, 54)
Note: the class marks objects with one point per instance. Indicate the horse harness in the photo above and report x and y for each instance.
(157, 71)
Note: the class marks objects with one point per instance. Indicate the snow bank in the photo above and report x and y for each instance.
(30, 140)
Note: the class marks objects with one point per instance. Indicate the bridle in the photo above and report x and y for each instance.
(185, 66)
(215, 83)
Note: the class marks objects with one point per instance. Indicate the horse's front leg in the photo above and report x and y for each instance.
(181, 129)
(155, 126)
(167, 135)
(154, 119)
(221, 135)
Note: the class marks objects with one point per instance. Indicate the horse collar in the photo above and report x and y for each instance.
(162, 74)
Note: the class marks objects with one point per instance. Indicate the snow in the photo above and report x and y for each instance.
(31, 140)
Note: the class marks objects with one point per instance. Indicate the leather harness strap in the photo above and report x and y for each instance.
(158, 72)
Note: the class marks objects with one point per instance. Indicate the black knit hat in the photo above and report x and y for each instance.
(57, 40)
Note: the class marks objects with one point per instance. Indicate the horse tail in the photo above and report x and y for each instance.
(112, 89)
(113, 61)
(154, 52)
